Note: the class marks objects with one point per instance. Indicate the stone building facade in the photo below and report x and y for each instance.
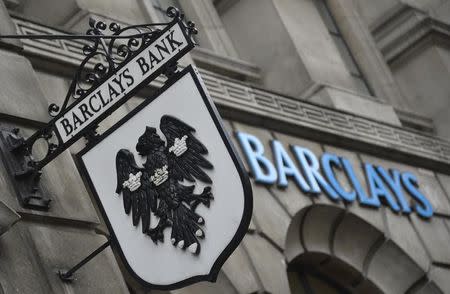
(360, 79)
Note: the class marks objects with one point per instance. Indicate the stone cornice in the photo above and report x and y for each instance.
(404, 29)
(223, 5)
(272, 110)
(230, 67)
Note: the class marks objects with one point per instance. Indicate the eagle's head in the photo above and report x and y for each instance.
(148, 142)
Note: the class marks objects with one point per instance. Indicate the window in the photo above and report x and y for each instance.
(343, 48)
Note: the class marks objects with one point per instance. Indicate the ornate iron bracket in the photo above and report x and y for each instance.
(25, 179)
(107, 49)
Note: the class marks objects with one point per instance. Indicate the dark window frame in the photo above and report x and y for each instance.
(334, 31)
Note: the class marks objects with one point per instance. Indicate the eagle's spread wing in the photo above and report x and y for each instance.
(137, 193)
(185, 151)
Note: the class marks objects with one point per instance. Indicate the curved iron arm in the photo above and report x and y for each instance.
(101, 60)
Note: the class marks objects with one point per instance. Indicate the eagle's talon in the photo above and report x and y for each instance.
(199, 233)
(193, 248)
(207, 194)
(205, 198)
(156, 234)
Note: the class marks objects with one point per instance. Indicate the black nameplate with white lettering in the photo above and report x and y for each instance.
(131, 76)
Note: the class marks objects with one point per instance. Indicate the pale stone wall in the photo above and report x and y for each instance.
(41, 243)
(392, 251)
(286, 48)
(413, 37)
(261, 60)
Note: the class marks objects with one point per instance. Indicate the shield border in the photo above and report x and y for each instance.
(248, 194)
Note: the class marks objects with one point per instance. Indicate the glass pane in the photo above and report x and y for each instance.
(326, 16)
(346, 55)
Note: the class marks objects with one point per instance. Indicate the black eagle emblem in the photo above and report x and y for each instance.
(157, 186)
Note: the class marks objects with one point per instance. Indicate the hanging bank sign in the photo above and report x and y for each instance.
(313, 175)
(171, 190)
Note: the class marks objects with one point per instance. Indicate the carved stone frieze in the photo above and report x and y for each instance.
(235, 95)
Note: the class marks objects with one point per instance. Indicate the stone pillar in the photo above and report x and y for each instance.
(7, 27)
(212, 35)
(365, 51)
(290, 42)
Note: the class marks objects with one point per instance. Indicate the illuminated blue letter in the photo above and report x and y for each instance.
(377, 188)
(254, 152)
(286, 167)
(311, 166)
(394, 182)
(423, 208)
(363, 198)
(327, 160)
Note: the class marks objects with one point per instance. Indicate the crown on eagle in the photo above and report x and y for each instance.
(134, 182)
(179, 146)
(160, 176)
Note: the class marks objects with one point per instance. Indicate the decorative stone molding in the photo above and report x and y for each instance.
(414, 120)
(228, 66)
(328, 120)
(332, 232)
(271, 106)
(403, 29)
(12, 3)
(8, 217)
(224, 5)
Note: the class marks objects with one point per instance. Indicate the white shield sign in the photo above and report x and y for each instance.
(170, 186)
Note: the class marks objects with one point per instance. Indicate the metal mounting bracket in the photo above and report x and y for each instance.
(67, 276)
(24, 177)
(102, 61)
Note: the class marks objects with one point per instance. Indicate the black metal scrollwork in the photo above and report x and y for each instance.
(103, 54)
(107, 47)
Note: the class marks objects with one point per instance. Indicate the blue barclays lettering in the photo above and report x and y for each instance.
(393, 179)
(286, 167)
(261, 168)
(377, 189)
(329, 160)
(362, 196)
(423, 206)
(314, 176)
(308, 161)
